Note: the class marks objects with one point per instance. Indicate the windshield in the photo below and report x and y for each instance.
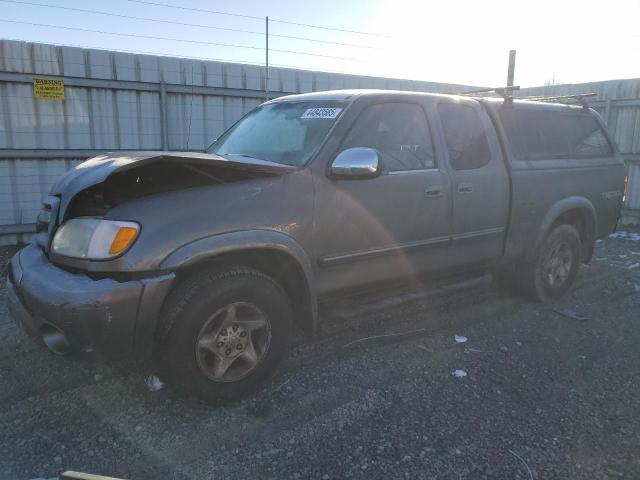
(287, 132)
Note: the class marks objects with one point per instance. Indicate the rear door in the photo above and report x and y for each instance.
(480, 183)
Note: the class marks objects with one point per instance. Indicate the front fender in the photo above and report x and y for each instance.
(224, 243)
(203, 248)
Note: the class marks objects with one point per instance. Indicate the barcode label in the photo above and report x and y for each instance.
(321, 112)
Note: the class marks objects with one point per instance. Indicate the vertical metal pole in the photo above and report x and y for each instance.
(607, 113)
(266, 70)
(512, 67)
(510, 73)
(164, 134)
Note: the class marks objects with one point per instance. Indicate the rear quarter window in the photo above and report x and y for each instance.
(548, 134)
(464, 134)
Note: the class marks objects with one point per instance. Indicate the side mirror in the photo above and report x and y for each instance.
(358, 162)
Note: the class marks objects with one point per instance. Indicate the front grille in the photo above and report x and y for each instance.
(44, 218)
(46, 222)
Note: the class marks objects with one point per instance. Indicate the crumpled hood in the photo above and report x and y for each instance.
(97, 169)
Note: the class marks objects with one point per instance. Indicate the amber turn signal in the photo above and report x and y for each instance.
(124, 238)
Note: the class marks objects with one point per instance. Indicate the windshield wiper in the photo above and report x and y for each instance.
(237, 155)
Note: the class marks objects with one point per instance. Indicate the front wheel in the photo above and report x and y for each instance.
(223, 334)
(552, 272)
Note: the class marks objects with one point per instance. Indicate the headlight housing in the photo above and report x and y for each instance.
(94, 238)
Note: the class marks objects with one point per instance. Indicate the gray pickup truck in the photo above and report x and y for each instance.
(204, 263)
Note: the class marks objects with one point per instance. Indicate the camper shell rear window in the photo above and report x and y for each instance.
(538, 134)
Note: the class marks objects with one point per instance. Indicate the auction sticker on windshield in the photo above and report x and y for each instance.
(321, 112)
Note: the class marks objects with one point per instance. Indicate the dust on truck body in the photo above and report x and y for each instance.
(204, 263)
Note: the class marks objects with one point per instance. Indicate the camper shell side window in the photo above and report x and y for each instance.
(543, 134)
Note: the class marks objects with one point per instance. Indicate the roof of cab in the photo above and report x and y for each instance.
(351, 95)
(342, 95)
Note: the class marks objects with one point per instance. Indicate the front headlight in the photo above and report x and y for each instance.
(94, 238)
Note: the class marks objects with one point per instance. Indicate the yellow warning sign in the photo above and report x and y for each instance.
(48, 89)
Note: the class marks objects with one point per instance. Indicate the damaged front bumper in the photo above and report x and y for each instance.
(109, 318)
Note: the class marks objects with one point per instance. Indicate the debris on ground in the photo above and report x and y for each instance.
(635, 265)
(154, 383)
(473, 350)
(568, 313)
(399, 334)
(626, 236)
(523, 462)
(282, 385)
(460, 338)
(426, 349)
(459, 373)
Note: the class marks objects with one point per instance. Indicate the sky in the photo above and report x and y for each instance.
(446, 41)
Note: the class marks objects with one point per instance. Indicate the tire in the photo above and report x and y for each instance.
(545, 279)
(206, 317)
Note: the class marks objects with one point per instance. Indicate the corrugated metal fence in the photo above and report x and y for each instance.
(123, 101)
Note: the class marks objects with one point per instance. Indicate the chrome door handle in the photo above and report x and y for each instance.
(465, 188)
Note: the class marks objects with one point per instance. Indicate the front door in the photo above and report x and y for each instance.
(395, 225)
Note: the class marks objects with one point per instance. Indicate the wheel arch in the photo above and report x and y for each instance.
(274, 253)
(578, 212)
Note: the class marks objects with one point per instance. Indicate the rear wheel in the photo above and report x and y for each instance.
(552, 272)
(223, 334)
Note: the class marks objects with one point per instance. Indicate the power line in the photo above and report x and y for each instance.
(308, 25)
(152, 37)
(293, 37)
(173, 22)
(216, 12)
(130, 17)
(79, 29)
(193, 9)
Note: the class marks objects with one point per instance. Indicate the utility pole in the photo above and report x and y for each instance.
(266, 63)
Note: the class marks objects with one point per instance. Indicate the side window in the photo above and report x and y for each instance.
(465, 136)
(399, 131)
(586, 138)
(548, 134)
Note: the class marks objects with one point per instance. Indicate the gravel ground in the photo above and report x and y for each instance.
(546, 396)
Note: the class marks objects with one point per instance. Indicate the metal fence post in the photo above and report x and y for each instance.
(607, 112)
(164, 134)
(266, 59)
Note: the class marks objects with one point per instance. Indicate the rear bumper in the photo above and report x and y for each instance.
(112, 319)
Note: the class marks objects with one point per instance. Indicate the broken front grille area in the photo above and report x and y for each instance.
(46, 222)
